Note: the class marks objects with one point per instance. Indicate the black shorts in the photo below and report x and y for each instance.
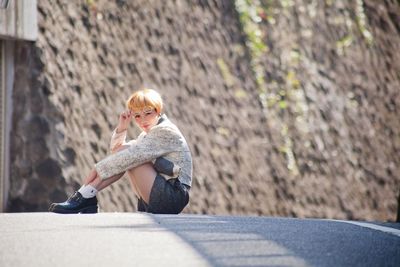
(166, 197)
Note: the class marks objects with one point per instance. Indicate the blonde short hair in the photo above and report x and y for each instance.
(145, 98)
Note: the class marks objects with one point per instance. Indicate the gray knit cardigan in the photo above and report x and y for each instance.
(164, 146)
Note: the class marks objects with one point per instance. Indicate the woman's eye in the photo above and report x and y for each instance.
(148, 113)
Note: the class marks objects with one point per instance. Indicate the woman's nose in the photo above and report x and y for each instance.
(142, 118)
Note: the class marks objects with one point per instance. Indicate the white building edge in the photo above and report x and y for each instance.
(18, 21)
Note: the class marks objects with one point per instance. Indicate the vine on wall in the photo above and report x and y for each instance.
(251, 14)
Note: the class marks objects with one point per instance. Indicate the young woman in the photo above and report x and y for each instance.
(158, 162)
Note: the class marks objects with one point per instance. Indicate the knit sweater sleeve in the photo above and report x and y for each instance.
(158, 142)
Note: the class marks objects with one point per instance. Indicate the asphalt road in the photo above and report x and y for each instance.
(139, 239)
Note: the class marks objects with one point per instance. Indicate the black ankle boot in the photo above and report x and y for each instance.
(75, 204)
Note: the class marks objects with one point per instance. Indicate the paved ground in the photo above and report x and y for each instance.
(137, 239)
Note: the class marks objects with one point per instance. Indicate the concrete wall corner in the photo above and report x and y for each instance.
(18, 19)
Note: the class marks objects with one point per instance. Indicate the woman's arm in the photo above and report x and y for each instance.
(158, 142)
(117, 140)
(118, 137)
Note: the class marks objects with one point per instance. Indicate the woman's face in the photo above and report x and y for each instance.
(145, 118)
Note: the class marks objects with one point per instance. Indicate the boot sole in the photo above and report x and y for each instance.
(86, 210)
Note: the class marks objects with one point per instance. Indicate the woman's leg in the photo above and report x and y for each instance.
(92, 175)
(84, 200)
(133, 185)
(94, 180)
(101, 184)
(142, 179)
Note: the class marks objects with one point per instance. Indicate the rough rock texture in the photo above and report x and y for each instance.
(333, 68)
(328, 148)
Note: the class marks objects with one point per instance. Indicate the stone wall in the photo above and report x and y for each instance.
(329, 148)
(333, 105)
(36, 174)
(94, 55)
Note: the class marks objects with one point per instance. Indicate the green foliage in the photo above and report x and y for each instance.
(362, 22)
(329, 2)
(295, 57)
(249, 18)
(287, 3)
(91, 3)
(228, 78)
(240, 93)
(292, 80)
(283, 104)
(343, 43)
(251, 14)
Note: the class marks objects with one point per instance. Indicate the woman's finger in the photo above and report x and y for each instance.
(129, 114)
(126, 115)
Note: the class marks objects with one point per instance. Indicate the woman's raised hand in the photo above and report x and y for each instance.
(124, 119)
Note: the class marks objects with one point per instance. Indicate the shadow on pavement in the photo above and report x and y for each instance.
(226, 241)
(260, 241)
